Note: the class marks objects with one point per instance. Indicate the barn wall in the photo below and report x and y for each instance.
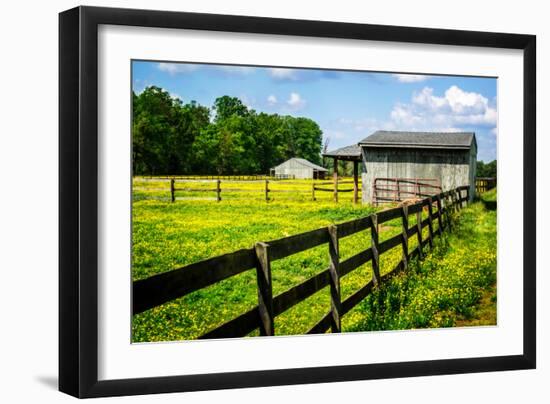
(291, 167)
(452, 167)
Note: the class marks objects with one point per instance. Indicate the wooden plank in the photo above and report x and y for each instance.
(419, 230)
(417, 207)
(430, 222)
(300, 292)
(388, 214)
(374, 248)
(335, 302)
(265, 289)
(356, 297)
(405, 236)
(322, 326)
(355, 261)
(390, 243)
(158, 289)
(439, 214)
(286, 246)
(195, 189)
(353, 226)
(237, 327)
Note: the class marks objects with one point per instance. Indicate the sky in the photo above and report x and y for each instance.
(347, 105)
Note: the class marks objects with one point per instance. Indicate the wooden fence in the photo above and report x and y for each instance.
(249, 177)
(334, 188)
(182, 185)
(484, 184)
(164, 287)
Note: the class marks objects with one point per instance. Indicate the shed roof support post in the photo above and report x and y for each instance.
(355, 181)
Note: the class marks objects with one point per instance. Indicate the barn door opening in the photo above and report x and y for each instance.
(392, 190)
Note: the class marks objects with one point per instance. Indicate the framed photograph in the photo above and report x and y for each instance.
(250, 201)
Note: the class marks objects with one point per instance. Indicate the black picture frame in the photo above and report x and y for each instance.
(78, 200)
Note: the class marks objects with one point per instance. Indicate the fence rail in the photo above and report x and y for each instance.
(219, 187)
(484, 184)
(162, 288)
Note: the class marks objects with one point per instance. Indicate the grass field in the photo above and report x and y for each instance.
(169, 235)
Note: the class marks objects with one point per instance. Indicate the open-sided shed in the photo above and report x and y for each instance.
(402, 165)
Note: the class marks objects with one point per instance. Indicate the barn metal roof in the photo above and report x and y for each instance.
(304, 162)
(351, 152)
(428, 140)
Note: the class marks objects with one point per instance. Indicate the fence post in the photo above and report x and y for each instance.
(439, 213)
(448, 208)
(218, 190)
(335, 300)
(430, 222)
(374, 248)
(265, 289)
(419, 230)
(172, 191)
(355, 181)
(335, 178)
(266, 190)
(405, 239)
(313, 191)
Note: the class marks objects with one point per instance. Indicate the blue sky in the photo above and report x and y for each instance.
(347, 105)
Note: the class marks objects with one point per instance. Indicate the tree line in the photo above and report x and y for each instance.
(486, 169)
(170, 137)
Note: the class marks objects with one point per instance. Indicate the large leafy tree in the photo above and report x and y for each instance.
(170, 137)
(486, 169)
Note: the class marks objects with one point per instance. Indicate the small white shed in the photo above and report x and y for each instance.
(299, 168)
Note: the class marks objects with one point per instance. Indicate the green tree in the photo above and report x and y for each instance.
(227, 106)
(486, 169)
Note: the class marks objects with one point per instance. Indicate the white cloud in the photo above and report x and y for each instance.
(295, 101)
(271, 100)
(175, 68)
(236, 70)
(455, 108)
(410, 78)
(283, 74)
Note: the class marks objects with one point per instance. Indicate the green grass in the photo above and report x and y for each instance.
(453, 286)
(170, 235)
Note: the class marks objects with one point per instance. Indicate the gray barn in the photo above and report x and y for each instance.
(403, 165)
(299, 168)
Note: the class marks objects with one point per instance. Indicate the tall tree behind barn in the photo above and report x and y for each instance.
(392, 161)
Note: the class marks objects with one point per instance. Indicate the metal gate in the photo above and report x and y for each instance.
(391, 190)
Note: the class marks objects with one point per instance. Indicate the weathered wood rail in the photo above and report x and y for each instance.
(484, 184)
(162, 288)
(264, 189)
